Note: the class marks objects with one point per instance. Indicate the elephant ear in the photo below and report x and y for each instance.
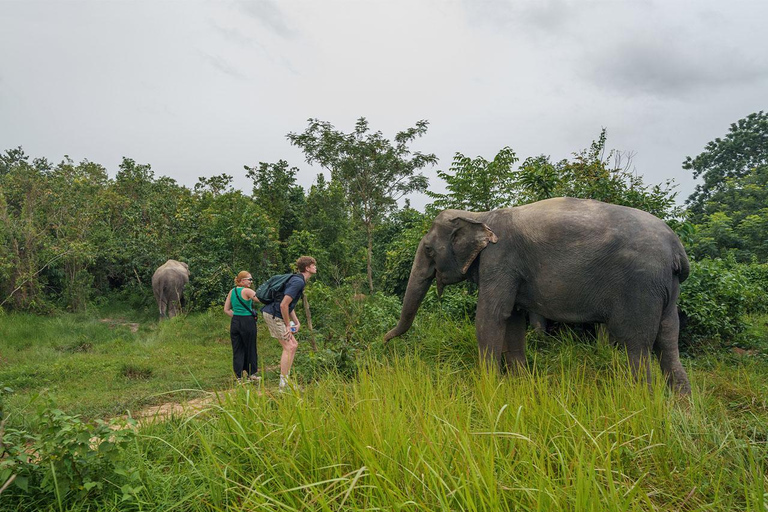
(468, 238)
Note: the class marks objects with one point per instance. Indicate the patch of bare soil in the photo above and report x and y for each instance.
(168, 410)
(133, 326)
(175, 409)
(744, 352)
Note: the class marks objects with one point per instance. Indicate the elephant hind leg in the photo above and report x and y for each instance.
(666, 349)
(514, 342)
(637, 336)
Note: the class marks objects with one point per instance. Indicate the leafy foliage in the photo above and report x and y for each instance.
(479, 185)
(716, 299)
(67, 460)
(329, 219)
(476, 184)
(349, 324)
(742, 150)
(735, 219)
(593, 174)
(276, 192)
(373, 171)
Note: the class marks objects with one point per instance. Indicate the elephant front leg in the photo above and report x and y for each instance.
(493, 322)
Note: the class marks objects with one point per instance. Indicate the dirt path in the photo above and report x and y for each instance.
(133, 326)
(176, 408)
(173, 408)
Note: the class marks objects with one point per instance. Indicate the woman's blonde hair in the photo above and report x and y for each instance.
(242, 275)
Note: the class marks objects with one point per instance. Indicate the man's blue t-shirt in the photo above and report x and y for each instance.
(294, 288)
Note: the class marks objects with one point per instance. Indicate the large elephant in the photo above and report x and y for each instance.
(565, 259)
(168, 283)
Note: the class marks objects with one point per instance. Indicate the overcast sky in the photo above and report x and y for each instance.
(197, 88)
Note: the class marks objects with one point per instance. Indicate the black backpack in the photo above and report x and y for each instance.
(272, 289)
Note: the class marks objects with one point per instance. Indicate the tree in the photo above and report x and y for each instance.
(538, 179)
(735, 219)
(374, 171)
(27, 249)
(401, 237)
(276, 192)
(330, 222)
(76, 220)
(215, 185)
(593, 174)
(142, 212)
(476, 184)
(223, 235)
(742, 150)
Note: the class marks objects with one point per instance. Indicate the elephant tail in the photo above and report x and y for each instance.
(681, 266)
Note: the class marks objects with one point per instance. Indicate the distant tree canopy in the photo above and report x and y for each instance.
(479, 185)
(724, 161)
(730, 209)
(373, 171)
(70, 234)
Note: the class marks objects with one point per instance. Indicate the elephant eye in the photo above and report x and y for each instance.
(429, 251)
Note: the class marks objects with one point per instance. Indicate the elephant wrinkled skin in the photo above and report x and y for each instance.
(168, 283)
(565, 259)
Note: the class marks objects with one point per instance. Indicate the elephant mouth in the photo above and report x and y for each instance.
(439, 283)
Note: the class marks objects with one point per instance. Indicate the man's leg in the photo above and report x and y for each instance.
(289, 345)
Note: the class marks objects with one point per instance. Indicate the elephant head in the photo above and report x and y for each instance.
(445, 254)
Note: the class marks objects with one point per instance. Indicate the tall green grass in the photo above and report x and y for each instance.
(421, 426)
(413, 436)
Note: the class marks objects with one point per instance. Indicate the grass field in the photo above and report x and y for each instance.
(421, 426)
(96, 365)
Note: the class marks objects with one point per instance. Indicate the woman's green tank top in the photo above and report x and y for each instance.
(237, 307)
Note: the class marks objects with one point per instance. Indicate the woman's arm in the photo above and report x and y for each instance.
(249, 294)
(228, 305)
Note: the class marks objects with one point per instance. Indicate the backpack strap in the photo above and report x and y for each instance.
(253, 314)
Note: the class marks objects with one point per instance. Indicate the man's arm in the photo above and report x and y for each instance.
(284, 304)
(295, 320)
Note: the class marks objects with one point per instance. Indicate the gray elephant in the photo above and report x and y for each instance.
(168, 283)
(564, 259)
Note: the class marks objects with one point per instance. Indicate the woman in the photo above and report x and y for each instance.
(242, 329)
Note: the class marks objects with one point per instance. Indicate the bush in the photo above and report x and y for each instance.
(716, 299)
(61, 459)
(347, 322)
(458, 301)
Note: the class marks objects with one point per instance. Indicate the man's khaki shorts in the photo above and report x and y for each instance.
(276, 326)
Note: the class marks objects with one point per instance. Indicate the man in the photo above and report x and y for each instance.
(280, 314)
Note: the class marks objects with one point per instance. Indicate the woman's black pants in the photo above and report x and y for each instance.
(242, 331)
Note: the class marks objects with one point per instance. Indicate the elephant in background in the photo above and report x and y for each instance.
(564, 259)
(168, 283)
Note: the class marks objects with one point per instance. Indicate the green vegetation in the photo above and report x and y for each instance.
(95, 366)
(412, 425)
(419, 426)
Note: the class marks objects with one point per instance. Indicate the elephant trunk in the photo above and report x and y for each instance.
(422, 273)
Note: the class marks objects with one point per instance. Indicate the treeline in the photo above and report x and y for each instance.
(69, 233)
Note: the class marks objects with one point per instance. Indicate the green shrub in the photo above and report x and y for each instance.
(716, 299)
(458, 301)
(757, 273)
(346, 322)
(62, 459)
